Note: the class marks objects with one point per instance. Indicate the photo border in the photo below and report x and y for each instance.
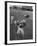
(6, 21)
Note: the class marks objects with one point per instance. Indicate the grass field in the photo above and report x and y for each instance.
(28, 29)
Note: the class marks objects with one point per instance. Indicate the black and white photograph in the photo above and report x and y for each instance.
(20, 22)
